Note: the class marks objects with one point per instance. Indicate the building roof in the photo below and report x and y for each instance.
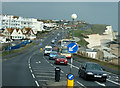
(9, 30)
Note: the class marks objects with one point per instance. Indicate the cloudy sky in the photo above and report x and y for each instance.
(91, 12)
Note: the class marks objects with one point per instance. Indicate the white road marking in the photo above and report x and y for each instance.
(51, 64)
(29, 67)
(33, 75)
(102, 84)
(73, 66)
(41, 70)
(113, 82)
(43, 80)
(81, 84)
(31, 70)
(45, 76)
(37, 84)
(62, 71)
(44, 73)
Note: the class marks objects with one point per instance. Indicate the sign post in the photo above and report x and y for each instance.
(72, 48)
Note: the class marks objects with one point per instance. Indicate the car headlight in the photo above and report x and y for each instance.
(89, 73)
(104, 74)
(57, 59)
(66, 60)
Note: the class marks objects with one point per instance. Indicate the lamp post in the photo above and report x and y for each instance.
(74, 16)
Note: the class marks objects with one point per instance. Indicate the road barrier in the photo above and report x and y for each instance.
(57, 74)
(19, 45)
(70, 80)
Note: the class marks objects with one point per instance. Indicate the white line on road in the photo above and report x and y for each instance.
(33, 75)
(81, 84)
(31, 70)
(37, 84)
(100, 83)
(62, 71)
(51, 64)
(44, 73)
(29, 67)
(73, 66)
(43, 80)
(113, 82)
(45, 77)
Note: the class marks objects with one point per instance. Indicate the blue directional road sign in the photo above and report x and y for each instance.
(72, 47)
(41, 44)
(70, 76)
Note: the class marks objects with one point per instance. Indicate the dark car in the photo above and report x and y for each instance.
(90, 70)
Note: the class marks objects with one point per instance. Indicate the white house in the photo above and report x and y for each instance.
(37, 26)
(17, 34)
(30, 35)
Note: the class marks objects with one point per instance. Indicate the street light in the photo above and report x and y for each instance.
(74, 16)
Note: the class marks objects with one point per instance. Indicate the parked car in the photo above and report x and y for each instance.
(61, 59)
(90, 70)
(52, 55)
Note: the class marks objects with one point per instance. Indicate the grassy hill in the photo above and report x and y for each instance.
(80, 33)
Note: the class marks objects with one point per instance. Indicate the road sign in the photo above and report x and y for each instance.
(72, 47)
(70, 81)
(70, 76)
(41, 44)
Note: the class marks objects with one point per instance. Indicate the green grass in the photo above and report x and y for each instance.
(4, 53)
(96, 28)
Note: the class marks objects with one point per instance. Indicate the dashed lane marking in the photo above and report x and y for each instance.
(43, 80)
(102, 84)
(45, 77)
(62, 71)
(81, 84)
(33, 75)
(37, 84)
(113, 82)
(31, 70)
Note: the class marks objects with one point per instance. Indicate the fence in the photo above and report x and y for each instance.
(19, 45)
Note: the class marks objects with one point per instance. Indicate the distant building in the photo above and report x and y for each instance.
(10, 21)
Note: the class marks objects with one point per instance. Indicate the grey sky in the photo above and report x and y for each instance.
(93, 12)
(60, 0)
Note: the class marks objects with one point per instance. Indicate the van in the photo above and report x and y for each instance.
(48, 49)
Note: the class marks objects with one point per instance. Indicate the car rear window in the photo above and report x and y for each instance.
(93, 66)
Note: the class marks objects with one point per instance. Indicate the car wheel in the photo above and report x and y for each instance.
(55, 63)
(85, 77)
(79, 73)
(103, 80)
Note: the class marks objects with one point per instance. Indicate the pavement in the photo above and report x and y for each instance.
(33, 69)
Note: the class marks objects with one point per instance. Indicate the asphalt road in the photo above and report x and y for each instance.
(34, 69)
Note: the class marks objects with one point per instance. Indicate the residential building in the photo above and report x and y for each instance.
(10, 21)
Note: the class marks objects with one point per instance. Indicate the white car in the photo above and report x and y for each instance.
(48, 49)
(53, 41)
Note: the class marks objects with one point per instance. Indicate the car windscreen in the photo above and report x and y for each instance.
(53, 53)
(61, 56)
(93, 67)
(48, 49)
(65, 51)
